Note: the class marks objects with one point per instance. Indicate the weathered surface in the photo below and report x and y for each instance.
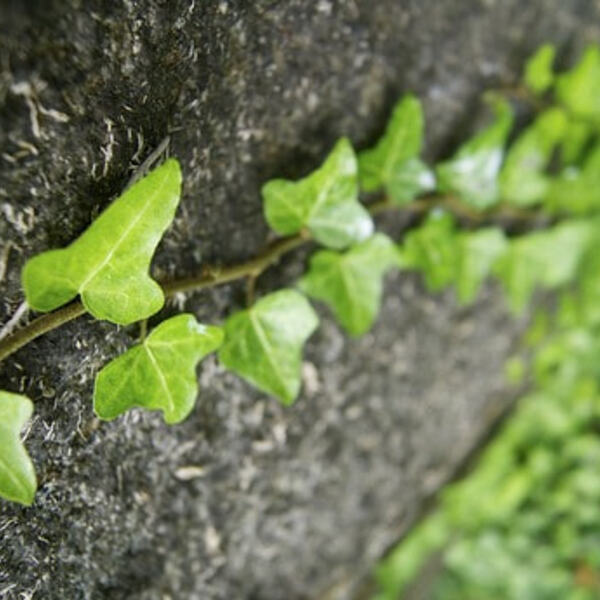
(289, 503)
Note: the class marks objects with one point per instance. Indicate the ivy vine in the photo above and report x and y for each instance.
(547, 176)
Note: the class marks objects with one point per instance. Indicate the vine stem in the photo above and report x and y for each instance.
(38, 327)
(253, 268)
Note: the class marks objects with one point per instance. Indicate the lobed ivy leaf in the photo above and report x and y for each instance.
(263, 344)
(445, 256)
(108, 264)
(393, 164)
(545, 258)
(472, 173)
(477, 252)
(325, 202)
(539, 76)
(17, 476)
(159, 373)
(577, 189)
(351, 283)
(523, 180)
(579, 89)
(432, 250)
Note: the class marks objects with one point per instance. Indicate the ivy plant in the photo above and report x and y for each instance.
(524, 521)
(476, 213)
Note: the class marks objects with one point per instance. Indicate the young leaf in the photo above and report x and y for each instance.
(263, 344)
(522, 180)
(538, 75)
(325, 202)
(108, 264)
(351, 283)
(472, 173)
(392, 163)
(548, 258)
(159, 373)
(432, 249)
(17, 476)
(477, 253)
(577, 190)
(579, 89)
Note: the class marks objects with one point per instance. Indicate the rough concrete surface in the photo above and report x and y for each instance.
(282, 503)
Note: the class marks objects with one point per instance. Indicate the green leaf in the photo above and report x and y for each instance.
(17, 476)
(432, 249)
(159, 373)
(108, 264)
(477, 253)
(577, 190)
(579, 89)
(539, 75)
(547, 258)
(445, 256)
(472, 173)
(351, 283)
(575, 140)
(263, 344)
(522, 180)
(563, 247)
(392, 163)
(325, 202)
(588, 283)
(411, 180)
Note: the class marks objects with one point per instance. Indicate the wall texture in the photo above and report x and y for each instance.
(282, 503)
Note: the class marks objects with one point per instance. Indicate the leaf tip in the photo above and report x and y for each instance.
(172, 168)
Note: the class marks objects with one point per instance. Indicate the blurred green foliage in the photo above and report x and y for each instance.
(525, 523)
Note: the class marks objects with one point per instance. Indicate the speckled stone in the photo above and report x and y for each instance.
(246, 499)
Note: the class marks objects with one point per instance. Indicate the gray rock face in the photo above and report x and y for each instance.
(246, 499)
